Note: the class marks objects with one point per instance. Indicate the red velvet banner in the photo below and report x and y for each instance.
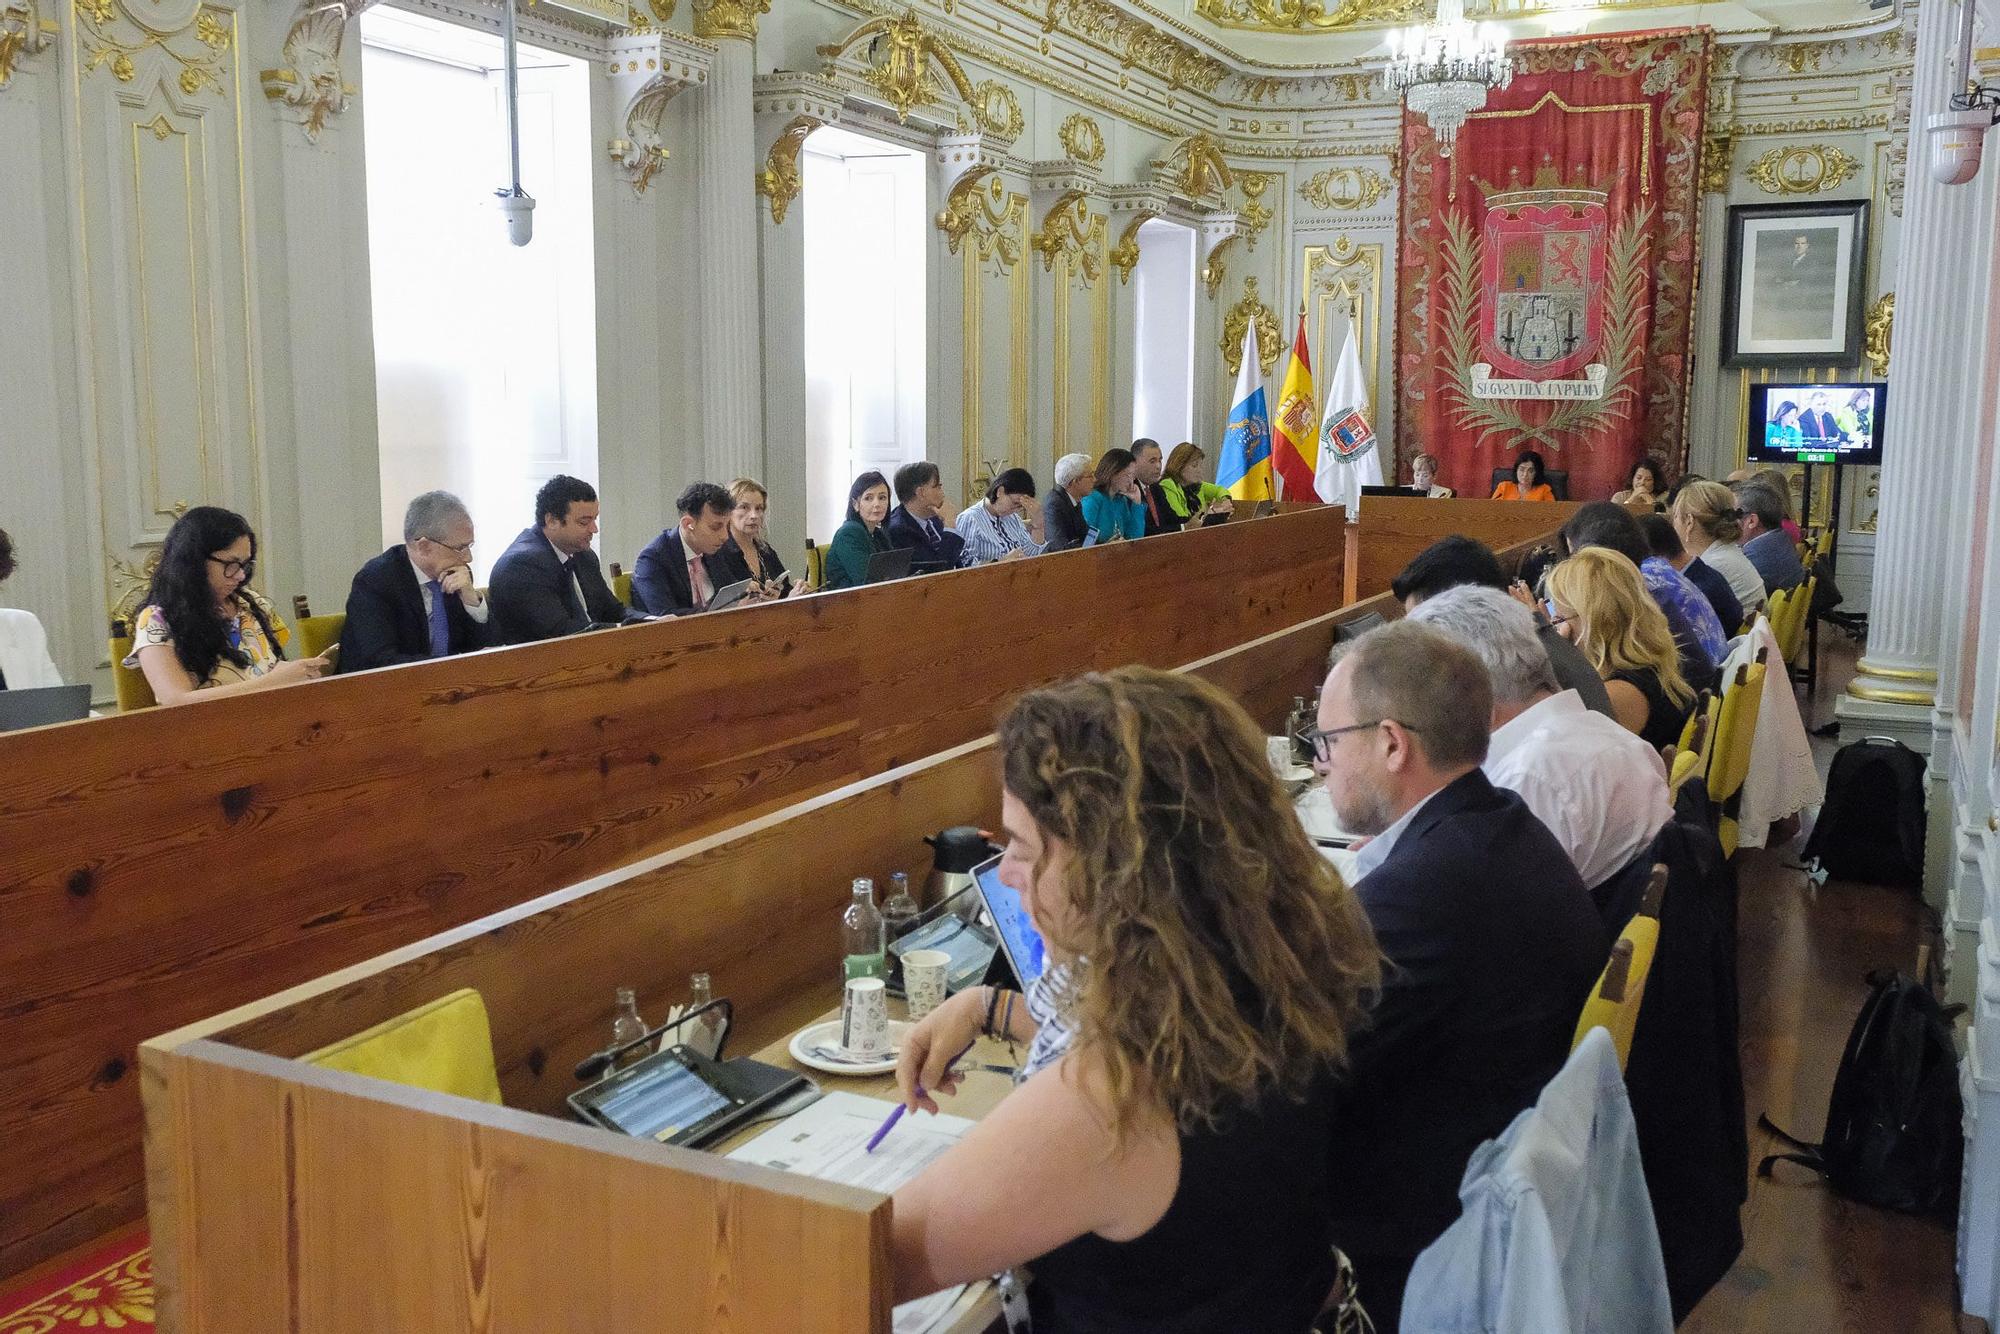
(1546, 269)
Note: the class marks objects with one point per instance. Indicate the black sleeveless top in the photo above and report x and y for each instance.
(1664, 718)
(1244, 1246)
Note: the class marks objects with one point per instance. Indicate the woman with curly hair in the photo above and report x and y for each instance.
(1601, 605)
(201, 634)
(1167, 1168)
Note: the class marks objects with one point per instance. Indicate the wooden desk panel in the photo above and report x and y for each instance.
(1393, 529)
(169, 864)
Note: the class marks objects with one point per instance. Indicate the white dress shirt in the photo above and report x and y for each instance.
(1600, 789)
(24, 652)
(478, 613)
(1377, 849)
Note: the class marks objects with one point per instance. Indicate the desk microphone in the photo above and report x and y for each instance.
(590, 1067)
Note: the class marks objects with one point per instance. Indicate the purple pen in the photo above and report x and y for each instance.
(889, 1123)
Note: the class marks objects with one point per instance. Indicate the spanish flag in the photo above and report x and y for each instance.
(1295, 449)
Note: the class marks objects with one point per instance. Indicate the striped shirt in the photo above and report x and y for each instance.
(1050, 1004)
(989, 537)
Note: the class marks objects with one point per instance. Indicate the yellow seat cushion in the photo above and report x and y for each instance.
(445, 1046)
(621, 587)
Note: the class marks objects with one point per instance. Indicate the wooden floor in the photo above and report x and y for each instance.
(1813, 1262)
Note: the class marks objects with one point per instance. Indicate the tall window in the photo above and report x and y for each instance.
(1163, 333)
(865, 214)
(485, 353)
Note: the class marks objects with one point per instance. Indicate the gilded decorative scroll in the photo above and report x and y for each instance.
(1345, 188)
(1194, 169)
(987, 225)
(1136, 42)
(779, 179)
(1802, 169)
(1215, 267)
(1270, 342)
(996, 111)
(310, 81)
(1718, 152)
(1081, 139)
(1071, 230)
(1876, 332)
(1255, 213)
(202, 62)
(23, 32)
(1309, 15)
(901, 71)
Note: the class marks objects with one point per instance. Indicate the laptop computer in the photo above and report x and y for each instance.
(42, 706)
(886, 565)
(1405, 491)
(1019, 940)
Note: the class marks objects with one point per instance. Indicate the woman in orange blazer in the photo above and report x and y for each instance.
(1528, 483)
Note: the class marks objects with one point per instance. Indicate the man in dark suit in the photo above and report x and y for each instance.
(1160, 516)
(1817, 425)
(1491, 940)
(417, 600)
(679, 572)
(1062, 516)
(548, 583)
(918, 522)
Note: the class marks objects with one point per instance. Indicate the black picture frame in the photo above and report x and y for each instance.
(1805, 299)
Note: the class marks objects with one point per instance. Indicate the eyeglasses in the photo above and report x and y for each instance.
(232, 568)
(462, 548)
(1319, 740)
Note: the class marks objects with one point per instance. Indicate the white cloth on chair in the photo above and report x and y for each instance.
(1783, 779)
(1557, 1236)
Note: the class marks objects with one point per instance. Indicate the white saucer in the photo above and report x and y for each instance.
(828, 1035)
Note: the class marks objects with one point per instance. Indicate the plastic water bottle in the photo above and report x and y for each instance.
(705, 1036)
(861, 937)
(899, 912)
(626, 1025)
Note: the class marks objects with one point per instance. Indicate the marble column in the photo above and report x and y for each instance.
(1933, 390)
(731, 421)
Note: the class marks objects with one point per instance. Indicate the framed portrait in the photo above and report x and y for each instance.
(1797, 284)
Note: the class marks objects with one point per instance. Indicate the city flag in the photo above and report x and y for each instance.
(1296, 447)
(1245, 467)
(1348, 459)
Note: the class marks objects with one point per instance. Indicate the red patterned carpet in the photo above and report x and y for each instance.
(109, 1286)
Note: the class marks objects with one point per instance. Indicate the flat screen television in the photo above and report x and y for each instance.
(1817, 423)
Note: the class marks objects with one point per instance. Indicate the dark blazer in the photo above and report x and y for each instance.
(1716, 589)
(735, 567)
(533, 598)
(660, 576)
(1160, 516)
(1492, 944)
(386, 622)
(1062, 521)
(905, 530)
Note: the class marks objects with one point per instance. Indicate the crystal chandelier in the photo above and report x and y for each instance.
(1445, 69)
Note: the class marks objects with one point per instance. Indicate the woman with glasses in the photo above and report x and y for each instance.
(201, 634)
(1601, 605)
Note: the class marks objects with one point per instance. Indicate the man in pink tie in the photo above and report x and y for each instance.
(675, 576)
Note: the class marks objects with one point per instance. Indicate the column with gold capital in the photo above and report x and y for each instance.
(731, 378)
(1925, 513)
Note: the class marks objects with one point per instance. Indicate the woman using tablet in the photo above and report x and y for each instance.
(1168, 1168)
(745, 554)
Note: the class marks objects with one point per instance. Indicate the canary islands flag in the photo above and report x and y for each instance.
(1245, 467)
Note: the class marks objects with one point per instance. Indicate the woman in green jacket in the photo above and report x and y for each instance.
(862, 536)
(1184, 491)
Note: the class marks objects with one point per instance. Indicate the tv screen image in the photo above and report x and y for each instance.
(1817, 423)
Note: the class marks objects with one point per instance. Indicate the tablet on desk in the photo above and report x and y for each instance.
(893, 564)
(1019, 940)
(679, 1096)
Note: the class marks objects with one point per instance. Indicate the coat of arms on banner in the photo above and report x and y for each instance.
(1347, 434)
(1541, 291)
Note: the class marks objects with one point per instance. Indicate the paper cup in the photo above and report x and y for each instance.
(924, 980)
(864, 1017)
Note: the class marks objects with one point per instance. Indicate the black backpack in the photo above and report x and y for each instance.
(1871, 828)
(1894, 1134)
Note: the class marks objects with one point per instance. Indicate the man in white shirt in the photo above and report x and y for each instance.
(1600, 789)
